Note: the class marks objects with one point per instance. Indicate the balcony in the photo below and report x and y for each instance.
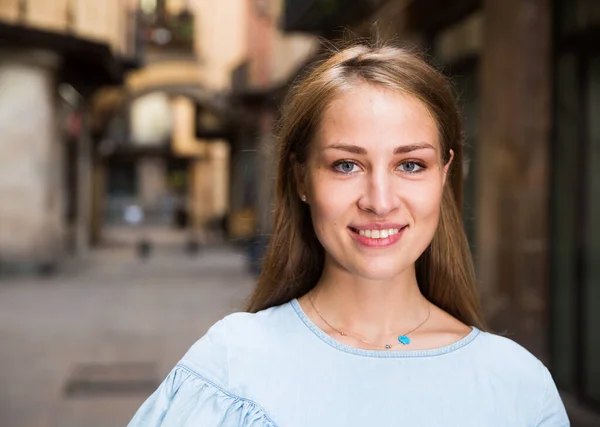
(97, 42)
(169, 34)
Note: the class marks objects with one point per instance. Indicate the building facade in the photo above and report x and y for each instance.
(53, 56)
(165, 143)
(190, 113)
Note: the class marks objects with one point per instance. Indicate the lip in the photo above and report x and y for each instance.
(377, 243)
(377, 226)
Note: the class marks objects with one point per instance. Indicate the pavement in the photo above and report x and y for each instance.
(106, 310)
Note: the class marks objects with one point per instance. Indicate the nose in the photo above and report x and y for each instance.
(380, 193)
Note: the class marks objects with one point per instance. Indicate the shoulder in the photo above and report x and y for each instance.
(213, 355)
(506, 359)
(503, 349)
(199, 390)
(523, 375)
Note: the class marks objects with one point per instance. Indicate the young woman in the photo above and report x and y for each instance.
(366, 313)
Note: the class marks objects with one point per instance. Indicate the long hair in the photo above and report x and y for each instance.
(294, 260)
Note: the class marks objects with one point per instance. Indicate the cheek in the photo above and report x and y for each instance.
(424, 201)
(331, 201)
(324, 212)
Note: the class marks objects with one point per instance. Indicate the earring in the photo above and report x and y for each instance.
(303, 197)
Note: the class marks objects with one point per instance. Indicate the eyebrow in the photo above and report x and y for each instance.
(355, 149)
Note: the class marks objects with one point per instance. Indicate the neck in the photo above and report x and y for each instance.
(370, 307)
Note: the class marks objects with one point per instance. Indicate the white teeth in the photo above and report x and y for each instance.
(379, 234)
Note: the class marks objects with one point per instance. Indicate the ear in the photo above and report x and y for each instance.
(447, 166)
(299, 176)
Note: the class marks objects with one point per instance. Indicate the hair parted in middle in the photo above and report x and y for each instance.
(295, 258)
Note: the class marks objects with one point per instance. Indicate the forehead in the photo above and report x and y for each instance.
(372, 116)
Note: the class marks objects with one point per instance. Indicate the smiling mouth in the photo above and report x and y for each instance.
(378, 234)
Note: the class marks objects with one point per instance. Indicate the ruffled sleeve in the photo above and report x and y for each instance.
(195, 393)
(185, 399)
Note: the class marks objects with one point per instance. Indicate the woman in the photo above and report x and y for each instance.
(366, 313)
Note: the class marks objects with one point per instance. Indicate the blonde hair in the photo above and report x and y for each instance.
(294, 260)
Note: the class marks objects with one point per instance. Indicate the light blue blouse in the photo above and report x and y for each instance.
(277, 368)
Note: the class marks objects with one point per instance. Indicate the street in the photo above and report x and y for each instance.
(65, 339)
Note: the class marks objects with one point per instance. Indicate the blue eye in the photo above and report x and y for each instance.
(411, 167)
(345, 167)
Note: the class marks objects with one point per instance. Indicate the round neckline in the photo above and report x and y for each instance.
(380, 353)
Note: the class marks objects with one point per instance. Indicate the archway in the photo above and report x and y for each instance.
(196, 152)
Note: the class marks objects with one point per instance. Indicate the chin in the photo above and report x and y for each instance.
(379, 270)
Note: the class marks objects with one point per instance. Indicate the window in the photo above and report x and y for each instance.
(149, 6)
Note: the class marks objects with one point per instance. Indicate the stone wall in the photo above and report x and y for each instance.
(31, 155)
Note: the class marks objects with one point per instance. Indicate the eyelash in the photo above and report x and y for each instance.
(340, 162)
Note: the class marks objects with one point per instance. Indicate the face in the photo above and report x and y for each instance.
(374, 180)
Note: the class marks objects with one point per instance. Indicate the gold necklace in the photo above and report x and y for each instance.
(402, 339)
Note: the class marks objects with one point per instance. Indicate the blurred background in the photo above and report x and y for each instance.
(137, 165)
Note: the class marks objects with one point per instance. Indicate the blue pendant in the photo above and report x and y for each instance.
(404, 339)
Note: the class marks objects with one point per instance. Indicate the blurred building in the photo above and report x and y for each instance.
(192, 127)
(527, 73)
(54, 54)
(166, 105)
(271, 60)
(163, 133)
